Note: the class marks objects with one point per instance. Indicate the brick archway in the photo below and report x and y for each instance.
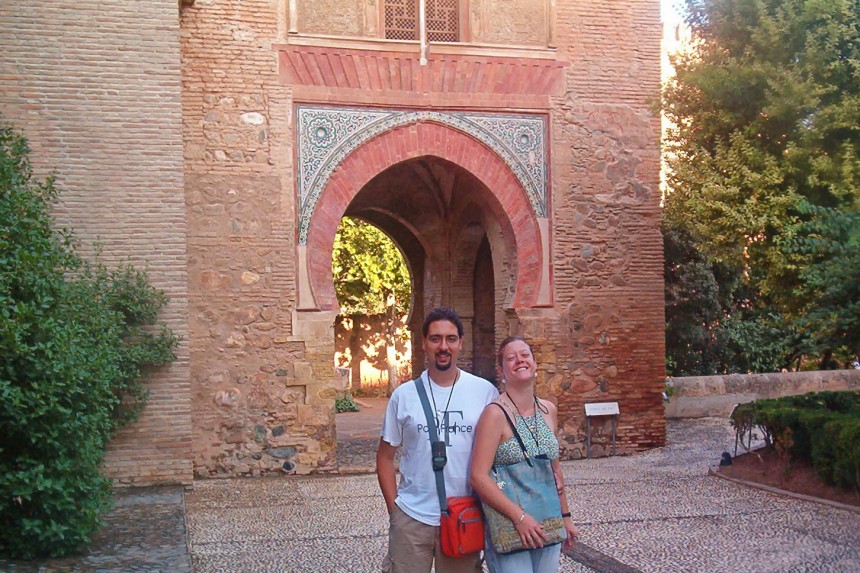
(411, 141)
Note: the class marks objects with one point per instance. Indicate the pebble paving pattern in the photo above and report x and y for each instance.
(145, 532)
(660, 511)
(653, 512)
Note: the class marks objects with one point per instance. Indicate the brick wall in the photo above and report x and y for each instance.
(607, 341)
(95, 86)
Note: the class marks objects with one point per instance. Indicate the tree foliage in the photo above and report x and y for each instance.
(712, 323)
(75, 339)
(764, 168)
(370, 274)
(371, 278)
(693, 306)
(831, 282)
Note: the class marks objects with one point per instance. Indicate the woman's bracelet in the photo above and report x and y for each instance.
(565, 514)
(520, 520)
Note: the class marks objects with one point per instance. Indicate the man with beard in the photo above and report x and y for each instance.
(457, 398)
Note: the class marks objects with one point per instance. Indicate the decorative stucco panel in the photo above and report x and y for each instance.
(326, 135)
(510, 22)
(331, 17)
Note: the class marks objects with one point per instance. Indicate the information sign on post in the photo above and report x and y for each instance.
(600, 409)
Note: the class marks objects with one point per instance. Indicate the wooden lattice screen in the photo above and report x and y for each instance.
(401, 20)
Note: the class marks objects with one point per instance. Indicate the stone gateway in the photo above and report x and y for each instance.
(513, 158)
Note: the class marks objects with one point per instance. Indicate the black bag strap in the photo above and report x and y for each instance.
(431, 426)
(516, 433)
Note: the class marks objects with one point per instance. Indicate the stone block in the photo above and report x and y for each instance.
(314, 328)
(282, 453)
(303, 371)
(228, 398)
(313, 415)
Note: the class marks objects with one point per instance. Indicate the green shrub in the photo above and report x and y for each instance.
(823, 428)
(846, 462)
(823, 453)
(75, 340)
(345, 403)
(745, 418)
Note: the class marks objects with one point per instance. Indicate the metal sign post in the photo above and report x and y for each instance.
(600, 409)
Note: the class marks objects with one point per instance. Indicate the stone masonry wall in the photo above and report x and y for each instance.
(700, 396)
(134, 103)
(506, 22)
(95, 86)
(604, 341)
(263, 391)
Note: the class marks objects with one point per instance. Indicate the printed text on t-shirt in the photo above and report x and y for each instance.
(447, 426)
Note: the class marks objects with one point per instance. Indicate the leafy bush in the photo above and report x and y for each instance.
(846, 453)
(345, 403)
(823, 428)
(75, 339)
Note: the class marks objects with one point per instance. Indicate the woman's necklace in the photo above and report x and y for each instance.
(525, 420)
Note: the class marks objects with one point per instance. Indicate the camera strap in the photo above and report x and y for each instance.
(434, 439)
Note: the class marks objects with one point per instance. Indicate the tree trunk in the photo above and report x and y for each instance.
(827, 362)
(356, 353)
(390, 350)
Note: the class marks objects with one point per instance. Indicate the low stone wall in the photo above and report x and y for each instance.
(701, 396)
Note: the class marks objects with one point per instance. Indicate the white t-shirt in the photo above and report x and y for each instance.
(405, 424)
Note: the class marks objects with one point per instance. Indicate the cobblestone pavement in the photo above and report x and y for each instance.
(145, 532)
(658, 511)
(358, 436)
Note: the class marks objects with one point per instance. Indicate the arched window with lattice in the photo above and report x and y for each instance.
(443, 20)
